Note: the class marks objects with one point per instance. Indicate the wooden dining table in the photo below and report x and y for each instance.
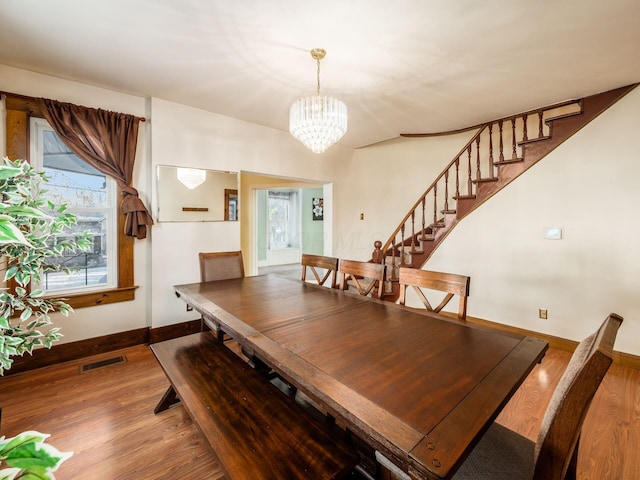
(420, 388)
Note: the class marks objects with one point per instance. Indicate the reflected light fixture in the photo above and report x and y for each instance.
(317, 121)
(191, 178)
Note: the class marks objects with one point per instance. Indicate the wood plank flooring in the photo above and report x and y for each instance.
(610, 440)
(106, 417)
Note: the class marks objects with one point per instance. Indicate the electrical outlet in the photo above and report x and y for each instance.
(542, 313)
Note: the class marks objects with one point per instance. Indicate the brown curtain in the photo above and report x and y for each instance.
(107, 141)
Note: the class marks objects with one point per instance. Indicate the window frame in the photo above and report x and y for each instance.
(19, 110)
(37, 128)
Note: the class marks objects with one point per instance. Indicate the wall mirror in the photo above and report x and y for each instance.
(196, 195)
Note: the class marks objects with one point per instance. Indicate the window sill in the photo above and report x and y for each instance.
(101, 297)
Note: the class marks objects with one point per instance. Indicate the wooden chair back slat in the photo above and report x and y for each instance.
(367, 278)
(314, 262)
(450, 283)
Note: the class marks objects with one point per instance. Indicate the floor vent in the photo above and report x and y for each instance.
(103, 363)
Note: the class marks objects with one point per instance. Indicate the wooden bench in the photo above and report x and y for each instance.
(256, 431)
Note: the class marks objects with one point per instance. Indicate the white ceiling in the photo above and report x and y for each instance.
(401, 66)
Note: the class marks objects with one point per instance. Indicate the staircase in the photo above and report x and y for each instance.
(496, 155)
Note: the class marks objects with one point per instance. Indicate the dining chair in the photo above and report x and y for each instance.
(220, 266)
(367, 278)
(316, 264)
(502, 454)
(450, 283)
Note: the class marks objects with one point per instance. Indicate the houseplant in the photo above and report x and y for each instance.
(29, 229)
(29, 226)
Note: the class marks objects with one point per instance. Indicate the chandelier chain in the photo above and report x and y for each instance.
(318, 75)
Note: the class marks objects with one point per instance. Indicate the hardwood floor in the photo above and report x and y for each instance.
(105, 416)
(611, 433)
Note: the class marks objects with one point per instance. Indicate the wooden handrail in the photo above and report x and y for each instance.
(475, 162)
(386, 245)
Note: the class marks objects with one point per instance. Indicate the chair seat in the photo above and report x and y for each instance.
(500, 454)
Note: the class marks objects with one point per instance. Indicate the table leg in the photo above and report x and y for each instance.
(168, 399)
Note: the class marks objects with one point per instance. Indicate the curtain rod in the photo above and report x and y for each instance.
(28, 98)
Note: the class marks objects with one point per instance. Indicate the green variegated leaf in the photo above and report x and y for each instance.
(9, 233)
(35, 455)
(12, 341)
(26, 211)
(7, 172)
(36, 473)
(26, 314)
(31, 436)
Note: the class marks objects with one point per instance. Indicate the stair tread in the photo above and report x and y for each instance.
(508, 161)
(564, 115)
(534, 140)
(486, 180)
(464, 197)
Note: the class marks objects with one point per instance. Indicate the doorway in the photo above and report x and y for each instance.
(290, 222)
(315, 236)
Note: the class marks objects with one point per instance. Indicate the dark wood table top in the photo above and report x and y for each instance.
(419, 387)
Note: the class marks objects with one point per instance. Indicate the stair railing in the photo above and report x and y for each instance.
(495, 144)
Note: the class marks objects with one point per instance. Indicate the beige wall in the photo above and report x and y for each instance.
(587, 187)
(189, 137)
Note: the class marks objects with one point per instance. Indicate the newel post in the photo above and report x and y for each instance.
(377, 256)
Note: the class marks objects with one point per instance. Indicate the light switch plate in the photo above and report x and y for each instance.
(553, 233)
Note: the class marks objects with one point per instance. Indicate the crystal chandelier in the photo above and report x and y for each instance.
(317, 121)
(191, 178)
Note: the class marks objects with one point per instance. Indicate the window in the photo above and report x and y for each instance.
(19, 111)
(91, 196)
(283, 219)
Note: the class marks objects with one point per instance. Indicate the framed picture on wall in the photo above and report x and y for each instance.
(317, 209)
